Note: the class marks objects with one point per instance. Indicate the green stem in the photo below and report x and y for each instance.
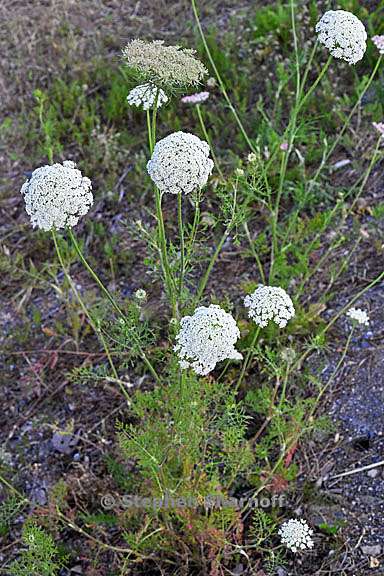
(85, 310)
(182, 244)
(248, 357)
(303, 356)
(208, 139)
(203, 282)
(254, 252)
(95, 277)
(167, 274)
(329, 251)
(113, 302)
(346, 124)
(334, 373)
(149, 131)
(162, 242)
(195, 225)
(220, 80)
(291, 132)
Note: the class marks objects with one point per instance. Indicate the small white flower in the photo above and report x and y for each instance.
(206, 338)
(359, 315)
(252, 157)
(239, 172)
(195, 98)
(296, 535)
(140, 295)
(144, 96)
(180, 163)
(379, 126)
(379, 43)
(211, 82)
(269, 303)
(343, 34)
(57, 196)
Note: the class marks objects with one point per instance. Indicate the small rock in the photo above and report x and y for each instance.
(64, 442)
(374, 550)
(373, 473)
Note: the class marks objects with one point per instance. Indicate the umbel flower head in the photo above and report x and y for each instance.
(269, 303)
(379, 43)
(180, 163)
(144, 96)
(169, 66)
(296, 535)
(359, 315)
(198, 98)
(57, 196)
(206, 338)
(343, 34)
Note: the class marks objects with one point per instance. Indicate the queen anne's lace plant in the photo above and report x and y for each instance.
(180, 163)
(296, 535)
(170, 66)
(269, 303)
(359, 316)
(57, 196)
(144, 96)
(379, 43)
(343, 34)
(206, 338)
(195, 98)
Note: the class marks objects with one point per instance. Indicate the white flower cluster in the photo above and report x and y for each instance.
(269, 303)
(140, 295)
(359, 315)
(180, 163)
(170, 66)
(206, 338)
(379, 43)
(343, 34)
(195, 98)
(144, 96)
(296, 535)
(57, 196)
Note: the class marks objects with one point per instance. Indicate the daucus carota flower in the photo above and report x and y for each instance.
(206, 338)
(170, 66)
(296, 535)
(379, 43)
(269, 303)
(144, 96)
(358, 315)
(252, 157)
(140, 295)
(180, 163)
(195, 98)
(343, 34)
(57, 196)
